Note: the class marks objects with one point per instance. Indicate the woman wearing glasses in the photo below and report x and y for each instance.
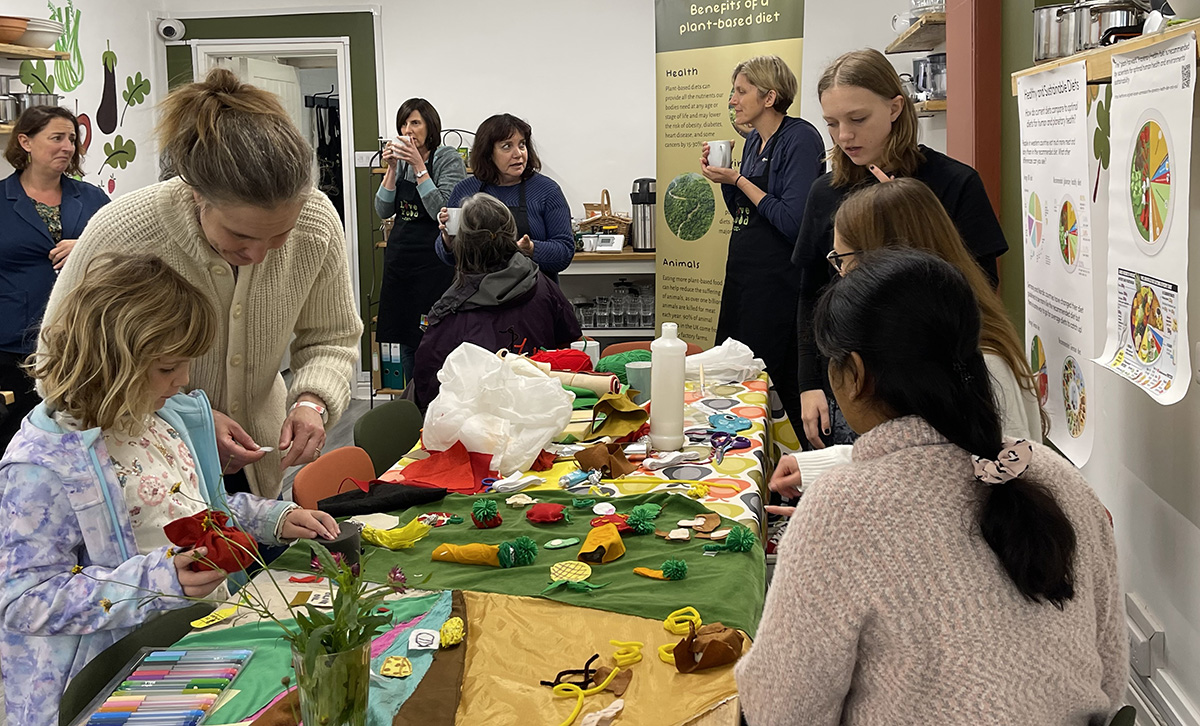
(874, 129)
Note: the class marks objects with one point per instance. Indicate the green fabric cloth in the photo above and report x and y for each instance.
(616, 363)
(262, 679)
(583, 397)
(729, 587)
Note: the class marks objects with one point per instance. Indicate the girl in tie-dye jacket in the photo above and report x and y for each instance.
(73, 579)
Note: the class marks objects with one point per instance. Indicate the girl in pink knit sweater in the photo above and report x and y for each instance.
(945, 575)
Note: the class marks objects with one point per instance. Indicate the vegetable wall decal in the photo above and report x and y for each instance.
(85, 126)
(119, 153)
(35, 76)
(106, 115)
(1101, 144)
(135, 92)
(69, 72)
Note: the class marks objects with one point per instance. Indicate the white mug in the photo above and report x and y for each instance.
(720, 154)
(452, 223)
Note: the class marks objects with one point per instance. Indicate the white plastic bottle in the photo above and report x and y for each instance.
(667, 373)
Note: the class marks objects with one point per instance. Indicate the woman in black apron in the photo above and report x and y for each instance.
(421, 174)
(781, 158)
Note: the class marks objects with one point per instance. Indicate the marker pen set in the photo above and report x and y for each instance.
(166, 688)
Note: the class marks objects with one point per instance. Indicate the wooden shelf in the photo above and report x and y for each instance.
(1099, 60)
(619, 332)
(6, 129)
(926, 33)
(929, 108)
(611, 256)
(388, 392)
(380, 245)
(20, 52)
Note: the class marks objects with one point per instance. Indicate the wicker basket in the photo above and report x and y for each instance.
(600, 216)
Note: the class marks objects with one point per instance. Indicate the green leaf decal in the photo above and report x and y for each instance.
(136, 89)
(119, 153)
(35, 76)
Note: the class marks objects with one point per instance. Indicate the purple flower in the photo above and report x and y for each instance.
(397, 580)
(338, 558)
(354, 569)
(315, 564)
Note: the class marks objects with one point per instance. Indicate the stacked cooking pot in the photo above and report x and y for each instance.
(1063, 30)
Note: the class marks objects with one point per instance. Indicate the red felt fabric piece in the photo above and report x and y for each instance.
(632, 437)
(617, 519)
(545, 461)
(544, 513)
(455, 469)
(229, 548)
(575, 361)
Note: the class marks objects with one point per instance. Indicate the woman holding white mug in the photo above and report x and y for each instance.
(781, 158)
(421, 173)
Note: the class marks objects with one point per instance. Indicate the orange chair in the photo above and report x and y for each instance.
(692, 348)
(325, 477)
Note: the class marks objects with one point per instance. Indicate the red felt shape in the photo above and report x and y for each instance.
(544, 462)
(545, 513)
(575, 361)
(617, 519)
(455, 469)
(229, 548)
(633, 436)
(487, 523)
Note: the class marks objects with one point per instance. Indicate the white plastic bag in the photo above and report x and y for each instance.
(507, 408)
(731, 361)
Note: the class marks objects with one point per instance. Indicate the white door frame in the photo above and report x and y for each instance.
(205, 50)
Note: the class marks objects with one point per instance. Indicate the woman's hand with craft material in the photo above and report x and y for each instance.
(196, 583)
(235, 447)
(718, 174)
(308, 524)
(303, 434)
(786, 481)
(815, 414)
(58, 255)
(525, 245)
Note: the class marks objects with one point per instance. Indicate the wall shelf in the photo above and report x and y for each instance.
(1099, 60)
(619, 332)
(6, 129)
(926, 33)
(20, 52)
(929, 108)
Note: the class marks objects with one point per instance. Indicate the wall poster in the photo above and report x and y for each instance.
(698, 45)
(1057, 194)
(1151, 123)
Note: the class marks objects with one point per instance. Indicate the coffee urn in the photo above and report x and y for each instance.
(643, 198)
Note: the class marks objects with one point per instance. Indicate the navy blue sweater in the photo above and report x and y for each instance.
(549, 219)
(797, 159)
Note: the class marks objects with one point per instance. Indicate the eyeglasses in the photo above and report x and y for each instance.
(837, 259)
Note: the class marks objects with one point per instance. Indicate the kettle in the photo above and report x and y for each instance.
(643, 197)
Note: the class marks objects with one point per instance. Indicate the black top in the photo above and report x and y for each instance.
(961, 192)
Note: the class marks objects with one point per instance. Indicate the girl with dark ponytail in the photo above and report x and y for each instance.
(946, 571)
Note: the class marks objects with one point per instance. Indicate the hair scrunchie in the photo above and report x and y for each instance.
(1010, 463)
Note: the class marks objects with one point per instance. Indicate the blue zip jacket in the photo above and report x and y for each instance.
(61, 506)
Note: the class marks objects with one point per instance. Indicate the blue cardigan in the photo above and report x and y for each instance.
(27, 274)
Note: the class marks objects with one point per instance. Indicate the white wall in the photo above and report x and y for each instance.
(832, 28)
(125, 27)
(582, 75)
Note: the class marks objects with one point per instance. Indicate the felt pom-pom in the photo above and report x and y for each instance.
(521, 551)
(740, 539)
(674, 569)
(484, 513)
(640, 522)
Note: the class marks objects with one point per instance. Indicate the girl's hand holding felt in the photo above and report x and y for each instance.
(200, 583)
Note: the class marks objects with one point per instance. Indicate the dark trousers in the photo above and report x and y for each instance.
(12, 378)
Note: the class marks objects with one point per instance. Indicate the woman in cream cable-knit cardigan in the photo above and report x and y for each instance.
(243, 223)
(916, 585)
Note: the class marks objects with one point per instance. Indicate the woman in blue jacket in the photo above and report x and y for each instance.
(43, 212)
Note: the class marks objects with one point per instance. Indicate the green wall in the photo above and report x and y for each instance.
(1017, 53)
(359, 27)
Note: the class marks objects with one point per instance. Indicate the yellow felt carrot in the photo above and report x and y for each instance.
(401, 538)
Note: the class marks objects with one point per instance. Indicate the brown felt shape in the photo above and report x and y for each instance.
(608, 458)
(711, 646)
(620, 682)
(603, 544)
(623, 416)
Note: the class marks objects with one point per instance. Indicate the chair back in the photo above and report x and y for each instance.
(1127, 716)
(163, 631)
(324, 477)
(388, 432)
(692, 348)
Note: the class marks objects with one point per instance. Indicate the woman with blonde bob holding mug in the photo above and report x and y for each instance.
(765, 196)
(873, 126)
(243, 222)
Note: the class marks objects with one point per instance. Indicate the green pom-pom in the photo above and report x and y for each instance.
(484, 509)
(650, 509)
(739, 539)
(674, 569)
(523, 551)
(640, 522)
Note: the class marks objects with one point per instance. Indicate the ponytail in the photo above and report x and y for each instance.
(915, 323)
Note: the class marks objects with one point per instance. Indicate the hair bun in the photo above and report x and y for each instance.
(222, 80)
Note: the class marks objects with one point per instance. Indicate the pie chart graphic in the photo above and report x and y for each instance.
(1150, 184)
(1068, 235)
(1037, 363)
(1033, 222)
(1074, 397)
(1146, 324)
